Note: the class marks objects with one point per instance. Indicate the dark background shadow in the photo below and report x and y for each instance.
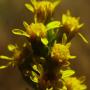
(13, 13)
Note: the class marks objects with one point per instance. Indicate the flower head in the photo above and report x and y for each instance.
(72, 83)
(71, 26)
(42, 9)
(71, 23)
(36, 30)
(61, 52)
(14, 59)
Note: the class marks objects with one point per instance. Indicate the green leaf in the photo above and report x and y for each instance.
(44, 41)
(29, 7)
(25, 24)
(51, 36)
(83, 38)
(67, 73)
(11, 47)
(64, 39)
(20, 32)
(53, 25)
(2, 67)
(5, 57)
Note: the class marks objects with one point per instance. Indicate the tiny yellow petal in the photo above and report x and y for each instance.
(25, 24)
(2, 67)
(72, 57)
(5, 57)
(83, 38)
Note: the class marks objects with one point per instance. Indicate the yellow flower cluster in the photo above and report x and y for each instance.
(70, 23)
(44, 58)
(61, 52)
(36, 30)
(42, 9)
(14, 59)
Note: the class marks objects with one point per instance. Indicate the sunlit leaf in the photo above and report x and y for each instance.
(20, 32)
(53, 25)
(83, 38)
(29, 7)
(64, 39)
(5, 57)
(67, 73)
(51, 36)
(11, 47)
(25, 24)
(44, 41)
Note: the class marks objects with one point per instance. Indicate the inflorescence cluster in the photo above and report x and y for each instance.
(44, 60)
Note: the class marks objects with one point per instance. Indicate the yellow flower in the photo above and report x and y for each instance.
(71, 26)
(70, 23)
(72, 83)
(42, 9)
(36, 30)
(13, 60)
(61, 52)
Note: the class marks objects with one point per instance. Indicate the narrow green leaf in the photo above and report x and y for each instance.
(20, 32)
(67, 73)
(25, 24)
(53, 25)
(44, 41)
(64, 39)
(5, 57)
(29, 7)
(83, 38)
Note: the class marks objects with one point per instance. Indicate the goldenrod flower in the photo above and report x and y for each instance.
(71, 26)
(36, 30)
(61, 52)
(14, 58)
(72, 83)
(70, 23)
(42, 9)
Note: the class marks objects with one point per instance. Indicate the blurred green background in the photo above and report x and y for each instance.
(13, 13)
